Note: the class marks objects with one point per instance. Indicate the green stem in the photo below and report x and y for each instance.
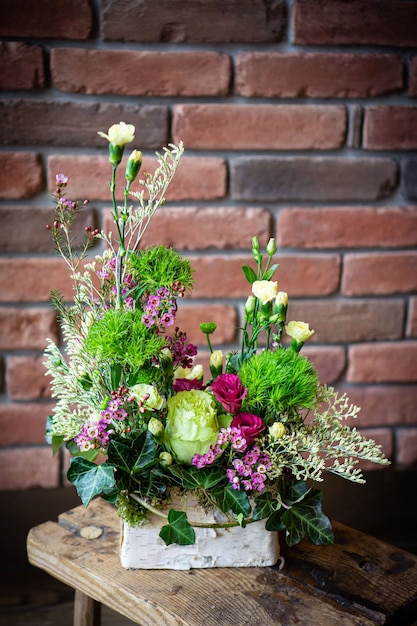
(156, 511)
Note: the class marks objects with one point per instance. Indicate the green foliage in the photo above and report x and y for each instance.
(278, 382)
(160, 267)
(121, 336)
(89, 479)
(178, 530)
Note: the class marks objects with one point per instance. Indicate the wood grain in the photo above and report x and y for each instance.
(359, 581)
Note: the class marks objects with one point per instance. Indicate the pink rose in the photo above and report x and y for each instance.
(228, 390)
(250, 426)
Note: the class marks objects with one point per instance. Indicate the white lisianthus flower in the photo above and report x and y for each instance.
(119, 134)
(300, 331)
(147, 396)
(265, 290)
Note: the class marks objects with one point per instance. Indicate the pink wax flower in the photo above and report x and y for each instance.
(228, 390)
(250, 425)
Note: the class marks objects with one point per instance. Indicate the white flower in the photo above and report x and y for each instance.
(119, 134)
(265, 290)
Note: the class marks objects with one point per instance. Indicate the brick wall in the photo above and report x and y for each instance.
(299, 120)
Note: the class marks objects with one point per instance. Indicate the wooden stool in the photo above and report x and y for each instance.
(358, 581)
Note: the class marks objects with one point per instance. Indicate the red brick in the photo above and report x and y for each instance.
(31, 279)
(274, 178)
(278, 127)
(23, 423)
(347, 227)
(406, 444)
(138, 73)
(20, 175)
(383, 362)
(382, 405)
(383, 437)
(208, 21)
(23, 228)
(317, 75)
(337, 22)
(384, 273)
(390, 128)
(222, 276)
(199, 228)
(24, 468)
(345, 321)
(190, 316)
(22, 66)
(26, 329)
(26, 379)
(329, 362)
(67, 19)
(412, 318)
(63, 123)
(197, 178)
(412, 89)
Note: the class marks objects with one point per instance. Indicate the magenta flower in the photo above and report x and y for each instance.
(250, 425)
(185, 384)
(228, 390)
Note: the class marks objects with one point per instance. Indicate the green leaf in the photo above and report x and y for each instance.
(89, 479)
(274, 521)
(147, 454)
(115, 375)
(249, 274)
(121, 454)
(269, 274)
(306, 518)
(178, 530)
(264, 506)
(235, 500)
(194, 478)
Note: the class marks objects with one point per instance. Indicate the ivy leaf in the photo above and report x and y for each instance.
(121, 454)
(230, 499)
(274, 521)
(178, 530)
(264, 506)
(306, 518)
(89, 479)
(194, 478)
(249, 273)
(147, 453)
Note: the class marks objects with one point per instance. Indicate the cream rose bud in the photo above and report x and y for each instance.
(277, 430)
(271, 247)
(147, 396)
(265, 290)
(194, 373)
(216, 358)
(119, 134)
(300, 331)
(281, 298)
(165, 459)
(133, 165)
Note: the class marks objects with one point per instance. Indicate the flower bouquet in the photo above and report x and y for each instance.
(147, 429)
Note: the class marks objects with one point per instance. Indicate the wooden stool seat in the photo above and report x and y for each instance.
(358, 581)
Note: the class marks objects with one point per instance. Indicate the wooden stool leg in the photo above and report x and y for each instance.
(87, 612)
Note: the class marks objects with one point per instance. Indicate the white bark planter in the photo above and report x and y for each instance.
(253, 546)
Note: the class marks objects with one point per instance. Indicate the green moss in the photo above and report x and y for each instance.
(279, 382)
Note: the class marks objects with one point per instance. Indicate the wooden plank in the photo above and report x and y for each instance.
(317, 585)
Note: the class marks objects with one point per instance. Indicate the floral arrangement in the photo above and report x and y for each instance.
(135, 409)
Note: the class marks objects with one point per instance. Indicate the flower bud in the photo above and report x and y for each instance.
(165, 459)
(216, 363)
(271, 248)
(250, 305)
(156, 428)
(133, 165)
(277, 430)
(208, 328)
(115, 154)
(281, 305)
